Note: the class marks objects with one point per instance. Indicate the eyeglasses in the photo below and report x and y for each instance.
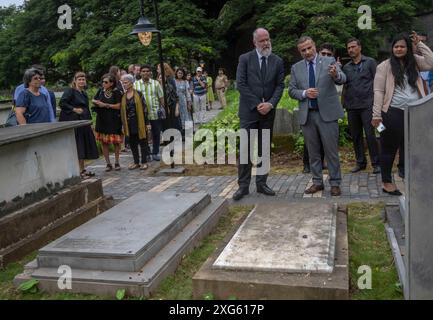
(328, 54)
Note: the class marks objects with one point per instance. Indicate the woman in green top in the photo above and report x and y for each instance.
(210, 96)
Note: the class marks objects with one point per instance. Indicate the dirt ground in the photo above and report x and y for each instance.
(281, 163)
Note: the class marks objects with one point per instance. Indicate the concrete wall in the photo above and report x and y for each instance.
(26, 166)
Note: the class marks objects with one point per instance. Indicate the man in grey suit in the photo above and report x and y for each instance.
(312, 83)
(260, 81)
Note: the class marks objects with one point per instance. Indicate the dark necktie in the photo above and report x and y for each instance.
(263, 68)
(312, 84)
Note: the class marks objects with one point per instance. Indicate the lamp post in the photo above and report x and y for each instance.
(144, 29)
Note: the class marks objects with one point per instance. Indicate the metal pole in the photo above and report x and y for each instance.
(161, 59)
(142, 7)
(169, 113)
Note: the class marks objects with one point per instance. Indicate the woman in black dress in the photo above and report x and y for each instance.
(108, 124)
(75, 106)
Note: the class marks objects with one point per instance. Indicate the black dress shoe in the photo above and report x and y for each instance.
(376, 169)
(358, 168)
(240, 193)
(396, 192)
(265, 190)
(306, 169)
(335, 191)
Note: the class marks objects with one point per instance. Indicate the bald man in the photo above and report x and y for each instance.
(260, 81)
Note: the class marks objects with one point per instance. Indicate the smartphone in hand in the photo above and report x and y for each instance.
(380, 127)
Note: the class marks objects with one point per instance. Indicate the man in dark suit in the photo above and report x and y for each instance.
(260, 81)
(312, 83)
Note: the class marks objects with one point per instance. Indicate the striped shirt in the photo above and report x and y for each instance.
(152, 92)
(198, 89)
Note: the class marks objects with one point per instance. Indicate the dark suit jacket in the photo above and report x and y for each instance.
(253, 89)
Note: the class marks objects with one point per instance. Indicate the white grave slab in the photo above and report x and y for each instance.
(283, 238)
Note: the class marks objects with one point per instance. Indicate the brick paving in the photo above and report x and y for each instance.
(122, 184)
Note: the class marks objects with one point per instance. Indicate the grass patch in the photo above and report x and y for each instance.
(9, 292)
(369, 246)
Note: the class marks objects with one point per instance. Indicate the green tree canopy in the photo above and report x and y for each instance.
(191, 29)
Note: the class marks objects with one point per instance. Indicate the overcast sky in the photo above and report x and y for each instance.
(9, 2)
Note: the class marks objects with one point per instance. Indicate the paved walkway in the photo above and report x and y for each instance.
(122, 184)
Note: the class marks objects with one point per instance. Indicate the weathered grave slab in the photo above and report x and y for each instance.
(157, 241)
(282, 282)
(128, 235)
(36, 225)
(298, 238)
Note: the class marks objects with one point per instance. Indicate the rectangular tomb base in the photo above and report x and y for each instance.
(149, 234)
(281, 272)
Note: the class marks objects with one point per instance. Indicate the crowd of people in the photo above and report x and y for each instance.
(374, 97)
(129, 106)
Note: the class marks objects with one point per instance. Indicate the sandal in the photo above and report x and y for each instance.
(116, 166)
(86, 174)
(109, 167)
(133, 166)
(144, 166)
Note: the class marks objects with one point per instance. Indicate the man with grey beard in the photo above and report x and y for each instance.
(260, 81)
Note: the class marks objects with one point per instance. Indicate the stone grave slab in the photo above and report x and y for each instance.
(288, 238)
(280, 262)
(125, 237)
(133, 246)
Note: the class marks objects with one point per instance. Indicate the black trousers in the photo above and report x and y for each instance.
(391, 139)
(359, 122)
(244, 170)
(156, 127)
(134, 142)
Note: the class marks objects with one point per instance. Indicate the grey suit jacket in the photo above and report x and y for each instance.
(328, 100)
(253, 89)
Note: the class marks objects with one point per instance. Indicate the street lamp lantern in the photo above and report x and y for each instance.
(144, 29)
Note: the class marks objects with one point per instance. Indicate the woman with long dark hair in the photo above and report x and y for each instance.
(108, 123)
(75, 106)
(397, 83)
(182, 87)
(173, 120)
